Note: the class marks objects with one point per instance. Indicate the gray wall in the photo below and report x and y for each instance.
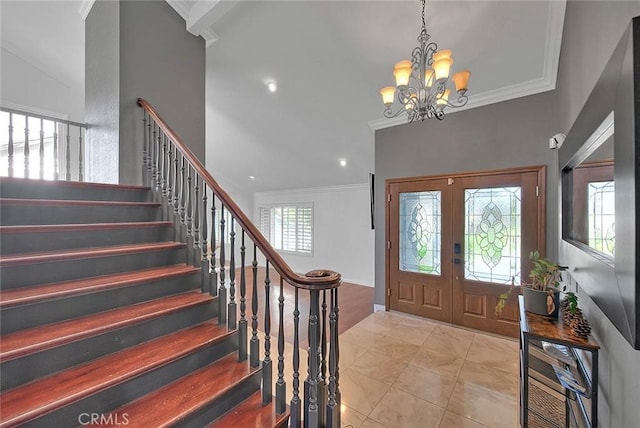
(591, 33)
(503, 135)
(155, 58)
(102, 98)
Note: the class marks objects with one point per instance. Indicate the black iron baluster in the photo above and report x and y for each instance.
(242, 325)
(162, 166)
(189, 213)
(232, 320)
(41, 152)
(157, 160)
(169, 202)
(337, 343)
(266, 363)
(222, 291)
(176, 196)
(68, 153)
(214, 273)
(204, 253)
(333, 404)
(26, 146)
(150, 152)
(10, 147)
(295, 407)
(153, 158)
(322, 386)
(80, 156)
(196, 220)
(183, 199)
(254, 343)
(281, 386)
(145, 148)
(311, 400)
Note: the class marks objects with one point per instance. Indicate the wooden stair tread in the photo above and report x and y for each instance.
(73, 227)
(85, 253)
(30, 341)
(27, 295)
(26, 402)
(168, 405)
(251, 413)
(75, 202)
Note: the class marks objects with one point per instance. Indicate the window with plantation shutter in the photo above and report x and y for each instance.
(289, 228)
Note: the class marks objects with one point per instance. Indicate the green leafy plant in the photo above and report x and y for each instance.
(545, 276)
(573, 302)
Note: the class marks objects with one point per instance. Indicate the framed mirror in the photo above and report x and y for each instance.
(600, 178)
(589, 212)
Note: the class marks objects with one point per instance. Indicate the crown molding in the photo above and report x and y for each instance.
(179, 7)
(85, 8)
(325, 189)
(547, 82)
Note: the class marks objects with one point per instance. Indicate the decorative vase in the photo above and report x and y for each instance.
(541, 302)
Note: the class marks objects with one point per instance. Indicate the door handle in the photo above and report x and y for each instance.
(457, 261)
(456, 248)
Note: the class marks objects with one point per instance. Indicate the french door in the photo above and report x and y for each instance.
(455, 243)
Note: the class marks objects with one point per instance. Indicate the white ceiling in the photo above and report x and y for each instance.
(329, 58)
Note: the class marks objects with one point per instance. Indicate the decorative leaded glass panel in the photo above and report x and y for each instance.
(420, 232)
(602, 217)
(493, 234)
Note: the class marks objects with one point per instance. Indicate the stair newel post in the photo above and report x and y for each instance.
(312, 413)
(145, 149)
(41, 151)
(68, 153)
(26, 146)
(281, 386)
(80, 154)
(222, 290)
(56, 166)
(189, 213)
(196, 220)
(295, 407)
(254, 343)
(267, 380)
(204, 262)
(213, 278)
(322, 385)
(10, 146)
(232, 319)
(333, 404)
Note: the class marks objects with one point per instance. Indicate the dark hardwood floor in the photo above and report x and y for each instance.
(354, 301)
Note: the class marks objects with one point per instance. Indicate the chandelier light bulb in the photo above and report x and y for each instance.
(461, 80)
(388, 92)
(272, 86)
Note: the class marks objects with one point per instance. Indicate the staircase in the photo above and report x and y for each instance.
(104, 322)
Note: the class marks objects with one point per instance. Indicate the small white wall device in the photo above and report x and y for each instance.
(556, 141)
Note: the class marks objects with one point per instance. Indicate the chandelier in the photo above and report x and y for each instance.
(421, 84)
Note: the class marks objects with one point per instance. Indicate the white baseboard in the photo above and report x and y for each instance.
(378, 308)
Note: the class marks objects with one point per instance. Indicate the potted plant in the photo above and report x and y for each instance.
(542, 294)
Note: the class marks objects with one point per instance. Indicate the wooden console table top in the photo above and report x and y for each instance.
(554, 330)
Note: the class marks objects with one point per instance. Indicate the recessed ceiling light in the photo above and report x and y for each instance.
(272, 86)
(252, 177)
(343, 162)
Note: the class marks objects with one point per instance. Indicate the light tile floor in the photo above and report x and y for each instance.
(399, 371)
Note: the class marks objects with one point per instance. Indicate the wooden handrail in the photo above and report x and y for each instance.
(315, 280)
